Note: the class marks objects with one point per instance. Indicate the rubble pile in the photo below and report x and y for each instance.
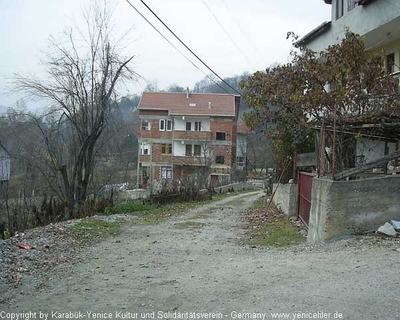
(38, 250)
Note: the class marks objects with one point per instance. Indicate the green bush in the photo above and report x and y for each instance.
(129, 207)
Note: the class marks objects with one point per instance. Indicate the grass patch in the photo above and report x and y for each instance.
(188, 225)
(164, 212)
(279, 232)
(271, 228)
(234, 203)
(95, 229)
(130, 207)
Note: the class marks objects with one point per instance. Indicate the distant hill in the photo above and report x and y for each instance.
(3, 109)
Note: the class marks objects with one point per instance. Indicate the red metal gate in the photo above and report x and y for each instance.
(304, 196)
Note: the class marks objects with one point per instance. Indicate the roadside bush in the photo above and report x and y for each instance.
(166, 196)
(132, 206)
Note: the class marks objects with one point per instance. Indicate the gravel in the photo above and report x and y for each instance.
(179, 265)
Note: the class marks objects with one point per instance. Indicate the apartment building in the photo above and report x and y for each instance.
(187, 137)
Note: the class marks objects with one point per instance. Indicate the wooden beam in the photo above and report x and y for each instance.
(370, 165)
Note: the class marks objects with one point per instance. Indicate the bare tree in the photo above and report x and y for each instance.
(83, 70)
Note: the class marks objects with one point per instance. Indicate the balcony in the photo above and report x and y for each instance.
(192, 135)
(192, 161)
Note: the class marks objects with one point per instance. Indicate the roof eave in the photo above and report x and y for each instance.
(364, 2)
(315, 33)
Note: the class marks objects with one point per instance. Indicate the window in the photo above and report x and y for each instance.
(219, 159)
(240, 161)
(188, 150)
(166, 173)
(165, 124)
(339, 9)
(162, 125)
(169, 125)
(197, 126)
(390, 63)
(146, 125)
(145, 150)
(188, 126)
(221, 135)
(166, 148)
(197, 150)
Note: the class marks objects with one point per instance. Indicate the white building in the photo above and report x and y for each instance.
(378, 21)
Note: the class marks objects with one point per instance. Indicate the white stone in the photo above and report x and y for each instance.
(387, 229)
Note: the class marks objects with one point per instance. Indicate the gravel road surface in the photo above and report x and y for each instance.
(196, 265)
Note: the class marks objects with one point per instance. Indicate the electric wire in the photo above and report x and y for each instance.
(242, 30)
(190, 50)
(175, 47)
(228, 35)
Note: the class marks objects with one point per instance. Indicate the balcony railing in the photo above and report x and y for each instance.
(192, 135)
(192, 160)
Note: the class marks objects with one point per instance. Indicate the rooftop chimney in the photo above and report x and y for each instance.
(187, 92)
(209, 105)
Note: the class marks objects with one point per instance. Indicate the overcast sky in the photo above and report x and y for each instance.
(257, 27)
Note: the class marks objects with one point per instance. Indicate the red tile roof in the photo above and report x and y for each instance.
(241, 127)
(197, 103)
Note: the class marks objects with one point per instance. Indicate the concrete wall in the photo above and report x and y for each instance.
(134, 194)
(341, 208)
(235, 186)
(285, 198)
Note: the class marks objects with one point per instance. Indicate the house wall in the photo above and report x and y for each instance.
(391, 47)
(340, 208)
(241, 145)
(223, 125)
(362, 20)
(285, 198)
(369, 150)
(179, 148)
(241, 150)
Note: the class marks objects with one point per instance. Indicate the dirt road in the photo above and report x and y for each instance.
(196, 263)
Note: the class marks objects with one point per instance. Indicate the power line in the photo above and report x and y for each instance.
(241, 29)
(191, 62)
(190, 50)
(228, 35)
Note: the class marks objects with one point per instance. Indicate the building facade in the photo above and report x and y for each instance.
(378, 22)
(187, 138)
